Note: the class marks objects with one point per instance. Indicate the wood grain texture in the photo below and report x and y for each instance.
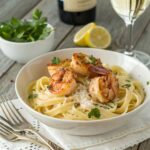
(107, 17)
(144, 42)
(17, 8)
(64, 36)
(5, 63)
(49, 8)
(144, 145)
(7, 82)
(133, 148)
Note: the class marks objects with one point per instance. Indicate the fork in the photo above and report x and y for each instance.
(7, 133)
(18, 122)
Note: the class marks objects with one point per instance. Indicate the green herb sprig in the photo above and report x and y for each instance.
(95, 112)
(92, 60)
(32, 96)
(49, 87)
(128, 80)
(17, 30)
(126, 85)
(56, 60)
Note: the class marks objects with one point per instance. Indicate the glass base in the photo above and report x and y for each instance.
(141, 56)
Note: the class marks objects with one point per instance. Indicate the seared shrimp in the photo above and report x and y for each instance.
(53, 68)
(104, 88)
(63, 83)
(80, 63)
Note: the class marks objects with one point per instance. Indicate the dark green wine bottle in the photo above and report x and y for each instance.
(77, 12)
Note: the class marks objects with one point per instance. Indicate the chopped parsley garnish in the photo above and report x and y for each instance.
(31, 96)
(128, 80)
(49, 87)
(92, 60)
(126, 85)
(95, 112)
(17, 30)
(148, 82)
(110, 105)
(56, 60)
(76, 104)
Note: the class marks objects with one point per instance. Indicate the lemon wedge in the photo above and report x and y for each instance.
(79, 38)
(93, 36)
(98, 37)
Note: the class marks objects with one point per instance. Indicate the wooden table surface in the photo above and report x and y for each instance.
(64, 36)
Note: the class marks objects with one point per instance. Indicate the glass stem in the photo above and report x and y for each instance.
(129, 47)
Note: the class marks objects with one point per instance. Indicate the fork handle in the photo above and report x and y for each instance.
(41, 138)
(22, 137)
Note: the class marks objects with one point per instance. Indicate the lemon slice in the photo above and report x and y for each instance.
(98, 37)
(79, 38)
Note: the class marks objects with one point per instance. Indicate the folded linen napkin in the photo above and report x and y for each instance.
(132, 133)
(137, 130)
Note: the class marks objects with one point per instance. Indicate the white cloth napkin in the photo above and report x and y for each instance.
(136, 131)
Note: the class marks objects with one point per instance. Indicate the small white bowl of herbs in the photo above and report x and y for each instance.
(22, 40)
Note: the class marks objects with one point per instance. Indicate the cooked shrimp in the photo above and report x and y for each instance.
(104, 88)
(53, 68)
(80, 63)
(63, 83)
(98, 70)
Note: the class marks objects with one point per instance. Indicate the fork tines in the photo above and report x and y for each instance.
(10, 111)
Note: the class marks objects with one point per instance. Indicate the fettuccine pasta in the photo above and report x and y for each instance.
(85, 96)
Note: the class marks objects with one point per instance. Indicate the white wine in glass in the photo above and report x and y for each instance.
(129, 11)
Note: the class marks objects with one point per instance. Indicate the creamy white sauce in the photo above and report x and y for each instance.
(82, 96)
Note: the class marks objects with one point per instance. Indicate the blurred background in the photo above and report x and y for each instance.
(105, 16)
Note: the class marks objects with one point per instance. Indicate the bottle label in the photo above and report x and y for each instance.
(78, 5)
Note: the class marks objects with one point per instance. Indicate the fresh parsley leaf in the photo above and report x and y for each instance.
(15, 22)
(76, 104)
(128, 80)
(92, 60)
(49, 87)
(17, 30)
(20, 35)
(36, 14)
(148, 82)
(95, 112)
(56, 60)
(45, 33)
(31, 96)
(126, 85)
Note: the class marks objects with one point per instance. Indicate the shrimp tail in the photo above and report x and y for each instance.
(99, 70)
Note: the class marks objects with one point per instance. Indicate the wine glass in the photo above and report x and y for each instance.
(129, 11)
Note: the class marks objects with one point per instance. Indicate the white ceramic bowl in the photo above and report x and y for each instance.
(37, 68)
(25, 51)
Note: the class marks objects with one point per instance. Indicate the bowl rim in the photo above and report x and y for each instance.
(32, 42)
(78, 121)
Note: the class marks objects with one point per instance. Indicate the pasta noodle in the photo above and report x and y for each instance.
(79, 104)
